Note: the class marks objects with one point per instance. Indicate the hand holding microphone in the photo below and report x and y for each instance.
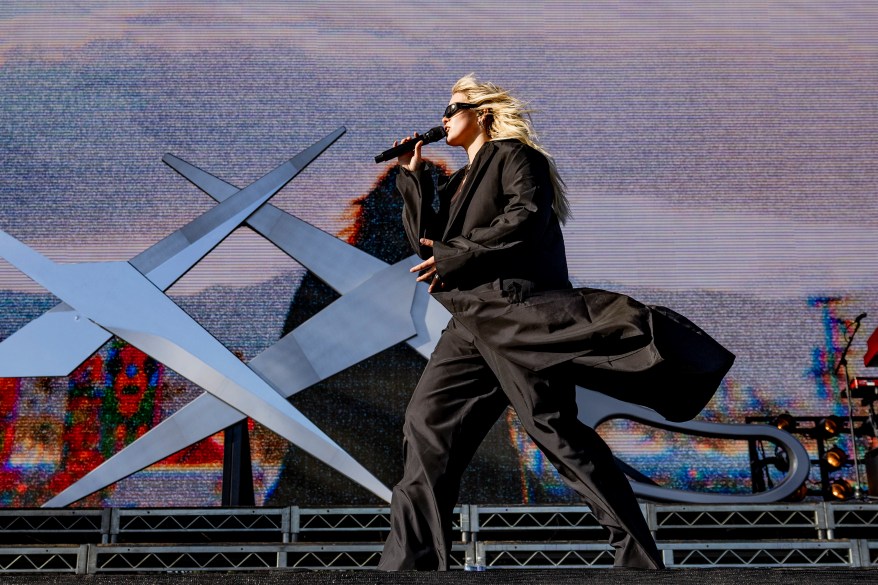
(411, 159)
(411, 145)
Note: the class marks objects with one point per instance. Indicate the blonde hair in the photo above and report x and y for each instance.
(508, 117)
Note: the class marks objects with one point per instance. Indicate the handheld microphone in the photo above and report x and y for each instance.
(431, 135)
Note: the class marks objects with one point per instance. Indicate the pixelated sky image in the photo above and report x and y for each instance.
(720, 157)
(705, 145)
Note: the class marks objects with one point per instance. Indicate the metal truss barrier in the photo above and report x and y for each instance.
(818, 534)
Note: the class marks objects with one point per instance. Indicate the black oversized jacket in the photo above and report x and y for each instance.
(501, 226)
(500, 254)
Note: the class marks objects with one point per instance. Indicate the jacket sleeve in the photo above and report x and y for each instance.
(418, 217)
(495, 248)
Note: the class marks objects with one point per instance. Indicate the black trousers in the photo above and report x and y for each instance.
(463, 390)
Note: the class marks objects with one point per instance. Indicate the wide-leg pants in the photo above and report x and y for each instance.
(463, 390)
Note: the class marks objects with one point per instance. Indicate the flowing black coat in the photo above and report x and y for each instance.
(500, 256)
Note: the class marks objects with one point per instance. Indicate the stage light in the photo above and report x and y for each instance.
(829, 426)
(781, 460)
(835, 458)
(784, 422)
(841, 489)
(798, 495)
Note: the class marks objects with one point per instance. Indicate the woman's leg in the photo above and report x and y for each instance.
(546, 405)
(453, 407)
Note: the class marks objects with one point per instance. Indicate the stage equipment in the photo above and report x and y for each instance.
(872, 472)
(832, 537)
(841, 489)
(829, 459)
(237, 462)
(870, 359)
(132, 306)
(843, 363)
(785, 422)
(595, 408)
(866, 389)
(237, 466)
(835, 458)
(828, 427)
(780, 460)
(798, 495)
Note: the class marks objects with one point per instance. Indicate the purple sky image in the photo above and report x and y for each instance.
(705, 146)
(721, 158)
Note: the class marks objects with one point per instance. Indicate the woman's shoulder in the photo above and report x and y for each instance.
(514, 148)
(510, 144)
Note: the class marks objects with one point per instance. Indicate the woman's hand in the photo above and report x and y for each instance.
(411, 160)
(429, 268)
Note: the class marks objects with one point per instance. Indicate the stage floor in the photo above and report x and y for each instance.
(504, 577)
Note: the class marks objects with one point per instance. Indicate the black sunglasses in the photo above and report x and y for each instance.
(456, 107)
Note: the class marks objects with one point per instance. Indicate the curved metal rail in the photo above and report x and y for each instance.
(595, 408)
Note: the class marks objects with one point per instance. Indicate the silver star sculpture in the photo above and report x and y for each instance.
(127, 299)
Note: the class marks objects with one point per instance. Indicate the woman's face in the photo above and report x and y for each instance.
(463, 127)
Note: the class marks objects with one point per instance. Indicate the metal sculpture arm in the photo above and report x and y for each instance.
(167, 333)
(595, 408)
(340, 265)
(312, 352)
(53, 344)
(337, 263)
(58, 341)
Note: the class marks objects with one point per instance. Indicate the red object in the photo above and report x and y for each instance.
(131, 384)
(871, 357)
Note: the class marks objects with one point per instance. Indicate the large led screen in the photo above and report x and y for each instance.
(720, 157)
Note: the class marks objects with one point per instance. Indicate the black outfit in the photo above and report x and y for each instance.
(520, 336)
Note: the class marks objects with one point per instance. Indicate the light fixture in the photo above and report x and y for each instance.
(828, 426)
(799, 494)
(785, 422)
(835, 458)
(781, 460)
(841, 489)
